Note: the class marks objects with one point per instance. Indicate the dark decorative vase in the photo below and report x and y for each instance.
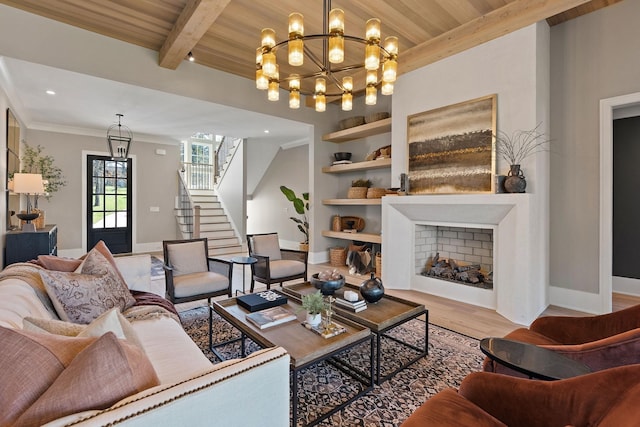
(372, 289)
(515, 181)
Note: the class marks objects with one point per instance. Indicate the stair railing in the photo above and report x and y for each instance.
(224, 149)
(198, 176)
(187, 209)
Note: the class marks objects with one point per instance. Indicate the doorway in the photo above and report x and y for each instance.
(608, 112)
(109, 203)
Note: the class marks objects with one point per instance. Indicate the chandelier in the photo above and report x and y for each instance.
(119, 138)
(333, 39)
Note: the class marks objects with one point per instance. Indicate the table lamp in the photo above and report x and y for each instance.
(28, 183)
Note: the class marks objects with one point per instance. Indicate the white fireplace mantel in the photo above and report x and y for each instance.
(520, 261)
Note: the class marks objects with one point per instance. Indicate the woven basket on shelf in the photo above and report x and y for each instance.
(376, 193)
(351, 122)
(357, 193)
(374, 117)
(338, 256)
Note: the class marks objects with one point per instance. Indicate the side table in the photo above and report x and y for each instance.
(243, 260)
(532, 360)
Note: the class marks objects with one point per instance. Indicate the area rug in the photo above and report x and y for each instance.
(451, 357)
(157, 272)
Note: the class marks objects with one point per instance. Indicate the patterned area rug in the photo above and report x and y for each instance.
(451, 357)
(157, 272)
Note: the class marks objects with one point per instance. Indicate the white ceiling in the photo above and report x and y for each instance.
(88, 105)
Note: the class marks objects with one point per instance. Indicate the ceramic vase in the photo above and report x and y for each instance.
(515, 181)
(314, 319)
(372, 290)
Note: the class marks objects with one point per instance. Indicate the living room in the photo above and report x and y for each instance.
(556, 76)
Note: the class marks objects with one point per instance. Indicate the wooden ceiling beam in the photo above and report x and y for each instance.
(515, 15)
(194, 21)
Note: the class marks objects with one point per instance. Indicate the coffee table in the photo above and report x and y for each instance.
(380, 318)
(305, 347)
(532, 360)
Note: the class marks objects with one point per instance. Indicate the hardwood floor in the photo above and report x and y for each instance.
(476, 322)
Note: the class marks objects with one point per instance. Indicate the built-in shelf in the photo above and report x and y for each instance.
(352, 202)
(357, 132)
(361, 237)
(358, 166)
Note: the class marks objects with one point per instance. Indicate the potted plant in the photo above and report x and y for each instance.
(301, 206)
(314, 304)
(514, 149)
(359, 189)
(33, 161)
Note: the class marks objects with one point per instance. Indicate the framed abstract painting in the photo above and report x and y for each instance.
(452, 149)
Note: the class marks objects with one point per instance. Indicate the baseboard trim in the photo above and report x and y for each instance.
(626, 286)
(575, 300)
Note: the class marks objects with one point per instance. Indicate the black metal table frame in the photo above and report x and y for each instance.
(350, 370)
(247, 261)
(421, 351)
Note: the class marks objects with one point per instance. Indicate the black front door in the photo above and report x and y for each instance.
(109, 216)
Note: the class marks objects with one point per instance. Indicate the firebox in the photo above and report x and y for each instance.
(458, 254)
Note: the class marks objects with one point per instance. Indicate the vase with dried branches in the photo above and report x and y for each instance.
(514, 149)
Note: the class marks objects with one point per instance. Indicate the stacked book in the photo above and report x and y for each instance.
(354, 306)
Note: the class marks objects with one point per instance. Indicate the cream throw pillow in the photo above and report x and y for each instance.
(110, 321)
(81, 298)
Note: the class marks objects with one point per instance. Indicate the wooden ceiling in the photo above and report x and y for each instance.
(224, 34)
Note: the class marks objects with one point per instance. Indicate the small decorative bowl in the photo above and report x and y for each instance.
(342, 156)
(327, 287)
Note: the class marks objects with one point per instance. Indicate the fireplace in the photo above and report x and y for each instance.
(518, 248)
(457, 254)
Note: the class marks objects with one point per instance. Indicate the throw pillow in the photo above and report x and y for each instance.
(104, 250)
(187, 258)
(30, 364)
(105, 372)
(109, 321)
(51, 262)
(82, 297)
(267, 245)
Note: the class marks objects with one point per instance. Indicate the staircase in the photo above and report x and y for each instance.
(214, 224)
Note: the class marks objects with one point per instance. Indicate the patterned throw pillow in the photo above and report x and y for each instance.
(82, 297)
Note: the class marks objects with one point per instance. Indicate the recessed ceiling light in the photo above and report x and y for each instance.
(266, 131)
(51, 92)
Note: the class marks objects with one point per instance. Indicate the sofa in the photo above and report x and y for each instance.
(608, 398)
(182, 387)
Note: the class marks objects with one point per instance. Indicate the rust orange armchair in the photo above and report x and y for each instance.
(600, 342)
(608, 398)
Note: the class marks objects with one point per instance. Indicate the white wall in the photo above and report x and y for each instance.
(592, 58)
(269, 210)
(232, 189)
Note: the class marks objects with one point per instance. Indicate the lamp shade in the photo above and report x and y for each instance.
(28, 183)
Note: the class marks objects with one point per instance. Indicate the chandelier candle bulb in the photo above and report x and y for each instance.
(262, 82)
(294, 99)
(269, 64)
(259, 57)
(371, 95)
(336, 49)
(336, 21)
(296, 25)
(321, 85)
(268, 38)
(273, 94)
(372, 56)
(296, 52)
(372, 31)
(386, 88)
(321, 103)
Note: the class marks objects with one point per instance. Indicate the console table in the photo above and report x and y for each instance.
(25, 246)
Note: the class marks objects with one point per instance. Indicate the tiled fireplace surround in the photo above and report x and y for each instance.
(520, 266)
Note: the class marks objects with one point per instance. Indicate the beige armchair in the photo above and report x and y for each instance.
(191, 275)
(274, 265)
